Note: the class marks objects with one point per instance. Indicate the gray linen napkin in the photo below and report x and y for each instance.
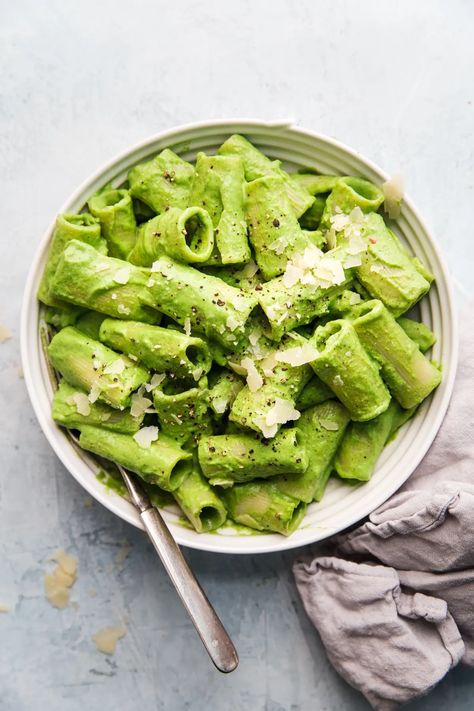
(394, 624)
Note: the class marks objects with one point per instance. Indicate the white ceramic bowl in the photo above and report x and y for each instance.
(342, 505)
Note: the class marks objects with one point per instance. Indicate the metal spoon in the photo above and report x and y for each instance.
(213, 635)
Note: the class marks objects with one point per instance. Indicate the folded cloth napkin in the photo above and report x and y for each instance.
(394, 602)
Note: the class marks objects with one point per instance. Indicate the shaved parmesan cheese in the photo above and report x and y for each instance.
(155, 267)
(279, 245)
(95, 392)
(58, 582)
(268, 431)
(82, 403)
(219, 405)
(122, 309)
(122, 276)
(197, 374)
(254, 337)
(106, 639)
(329, 425)
(237, 368)
(393, 192)
(268, 364)
(283, 411)
(156, 380)
(337, 380)
(151, 282)
(352, 260)
(145, 436)
(297, 356)
(139, 404)
(248, 271)
(115, 368)
(5, 334)
(355, 298)
(113, 296)
(232, 323)
(292, 275)
(187, 326)
(101, 267)
(254, 379)
(272, 311)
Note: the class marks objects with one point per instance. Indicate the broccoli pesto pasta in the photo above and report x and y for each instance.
(235, 334)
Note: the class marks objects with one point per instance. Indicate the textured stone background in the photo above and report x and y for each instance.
(80, 81)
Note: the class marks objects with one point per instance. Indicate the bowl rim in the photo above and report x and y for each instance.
(58, 439)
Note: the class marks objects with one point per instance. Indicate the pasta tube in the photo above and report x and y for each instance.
(207, 303)
(314, 393)
(229, 458)
(272, 404)
(351, 192)
(362, 445)
(409, 375)
(163, 462)
(182, 409)
(287, 307)
(322, 429)
(224, 388)
(163, 182)
(91, 366)
(387, 272)
(274, 231)
(257, 165)
(320, 186)
(161, 349)
(261, 505)
(185, 235)
(111, 286)
(200, 503)
(418, 332)
(71, 408)
(346, 368)
(114, 209)
(83, 228)
(218, 186)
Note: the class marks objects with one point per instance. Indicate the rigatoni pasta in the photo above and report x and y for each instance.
(235, 334)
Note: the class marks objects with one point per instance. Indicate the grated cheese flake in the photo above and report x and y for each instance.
(145, 436)
(82, 403)
(5, 334)
(248, 271)
(122, 309)
(94, 392)
(106, 639)
(139, 403)
(254, 379)
(156, 380)
(232, 323)
(282, 411)
(115, 368)
(187, 326)
(122, 276)
(300, 355)
(329, 425)
(393, 193)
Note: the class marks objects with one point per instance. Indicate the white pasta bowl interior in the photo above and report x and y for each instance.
(342, 505)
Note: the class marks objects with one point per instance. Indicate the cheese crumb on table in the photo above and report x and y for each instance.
(5, 334)
(106, 639)
(58, 582)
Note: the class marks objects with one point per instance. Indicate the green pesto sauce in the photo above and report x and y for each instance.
(239, 528)
(112, 483)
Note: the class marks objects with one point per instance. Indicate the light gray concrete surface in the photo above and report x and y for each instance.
(80, 81)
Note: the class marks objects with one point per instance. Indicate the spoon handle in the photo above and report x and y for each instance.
(217, 642)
